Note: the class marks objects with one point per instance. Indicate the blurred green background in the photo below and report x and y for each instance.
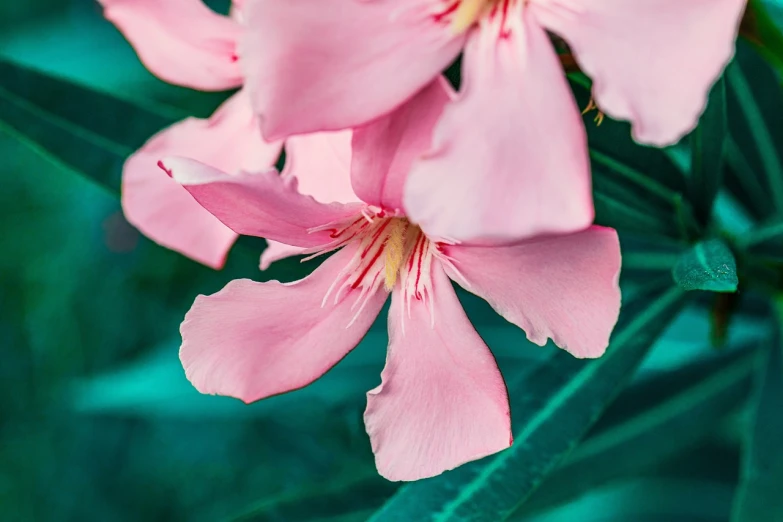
(97, 420)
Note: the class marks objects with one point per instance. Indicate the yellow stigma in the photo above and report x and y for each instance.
(467, 13)
(394, 251)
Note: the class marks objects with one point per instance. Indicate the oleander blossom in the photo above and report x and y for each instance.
(185, 43)
(442, 401)
(512, 147)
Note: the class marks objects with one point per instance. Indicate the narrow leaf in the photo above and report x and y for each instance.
(556, 404)
(753, 100)
(80, 128)
(760, 29)
(759, 496)
(709, 391)
(708, 265)
(338, 499)
(765, 240)
(649, 260)
(70, 146)
(745, 183)
(749, 104)
(619, 207)
(648, 499)
(114, 119)
(707, 146)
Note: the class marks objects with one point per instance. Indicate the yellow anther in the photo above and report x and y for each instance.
(394, 251)
(467, 13)
(599, 117)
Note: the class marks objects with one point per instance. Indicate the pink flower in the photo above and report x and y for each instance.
(512, 147)
(186, 43)
(442, 401)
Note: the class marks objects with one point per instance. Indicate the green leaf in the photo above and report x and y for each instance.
(648, 499)
(767, 37)
(765, 240)
(337, 500)
(708, 265)
(650, 261)
(551, 409)
(62, 143)
(755, 101)
(647, 434)
(107, 115)
(745, 184)
(622, 213)
(759, 496)
(707, 146)
(78, 127)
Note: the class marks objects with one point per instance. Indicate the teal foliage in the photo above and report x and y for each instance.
(758, 498)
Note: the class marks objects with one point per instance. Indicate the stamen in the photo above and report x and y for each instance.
(395, 252)
(599, 117)
(366, 214)
(364, 298)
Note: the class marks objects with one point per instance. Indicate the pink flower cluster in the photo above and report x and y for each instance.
(407, 184)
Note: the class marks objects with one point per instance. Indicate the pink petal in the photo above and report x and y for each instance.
(442, 401)
(253, 340)
(263, 204)
(563, 287)
(229, 140)
(509, 157)
(384, 150)
(652, 61)
(322, 164)
(160, 208)
(181, 41)
(236, 9)
(276, 251)
(313, 65)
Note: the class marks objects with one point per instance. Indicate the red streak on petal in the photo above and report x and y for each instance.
(356, 233)
(504, 5)
(335, 234)
(418, 271)
(374, 238)
(413, 252)
(358, 281)
(438, 17)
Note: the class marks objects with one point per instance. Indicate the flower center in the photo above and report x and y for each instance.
(389, 251)
(468, 12)
(462, 14)
(386, 248)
